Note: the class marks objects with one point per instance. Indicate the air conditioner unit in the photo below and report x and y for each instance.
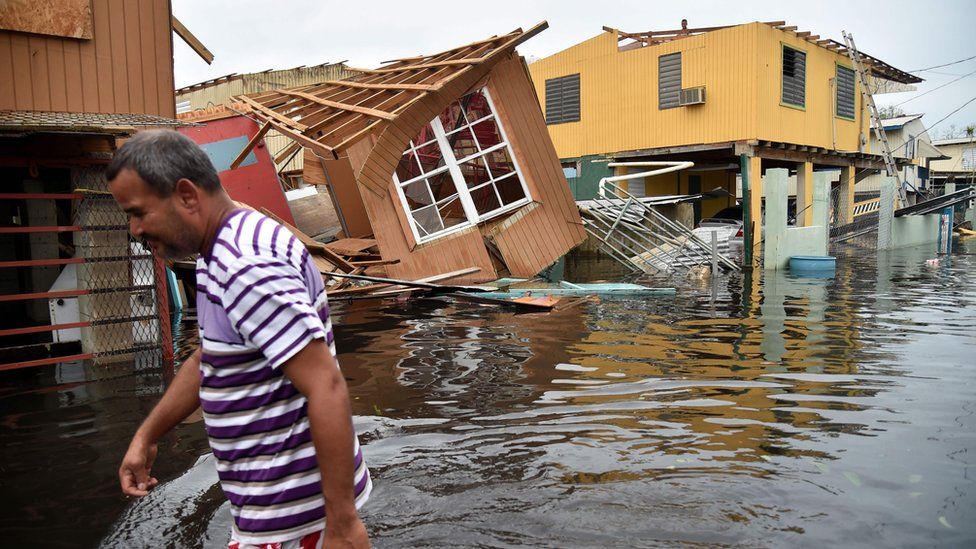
(692, 96)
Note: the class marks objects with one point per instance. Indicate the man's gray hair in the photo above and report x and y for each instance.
(163, 157)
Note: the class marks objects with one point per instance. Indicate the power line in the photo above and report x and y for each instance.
(929, 128)
(946, 65)
(933, 89)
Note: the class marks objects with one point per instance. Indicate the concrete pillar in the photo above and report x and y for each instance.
(755, 206)
(776, 210)
(886, 211)
(804, 194)
(845, 200)
(820, 209)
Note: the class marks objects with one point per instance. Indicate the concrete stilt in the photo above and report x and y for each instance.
(845, 201)
(755, 206)
(804, 194)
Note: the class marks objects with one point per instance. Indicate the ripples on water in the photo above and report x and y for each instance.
(813, 412)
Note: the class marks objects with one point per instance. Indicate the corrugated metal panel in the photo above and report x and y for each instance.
(216, 94)
(794, 76)
(563, 99)
(669, 81)
(845, 92)
(300, 76)
(125, 68)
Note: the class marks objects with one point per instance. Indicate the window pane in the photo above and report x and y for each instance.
(510, 189)
(485, 200)
(417, 195)
(500, 163)
(408, 168)
(475, 173)
(462, 143)
(476, 106)
(487, 134)
(430, 157)
(442, 186)
(452, 118)
(452, 212)
(427, 220)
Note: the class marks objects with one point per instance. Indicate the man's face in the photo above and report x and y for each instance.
(161, 222)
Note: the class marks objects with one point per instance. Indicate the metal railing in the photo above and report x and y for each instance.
(637, 235)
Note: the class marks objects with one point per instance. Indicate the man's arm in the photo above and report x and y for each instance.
(179, 401)
(314, 372)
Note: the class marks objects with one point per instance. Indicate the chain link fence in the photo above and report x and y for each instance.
(120, 276)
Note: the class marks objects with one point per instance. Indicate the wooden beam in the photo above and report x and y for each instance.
(343, 106)
(412, 87)
(270, 113)
(191, 40)
(435, 64)
(250, 145)
(307, 141)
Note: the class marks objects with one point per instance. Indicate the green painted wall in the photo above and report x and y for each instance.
(591, 170)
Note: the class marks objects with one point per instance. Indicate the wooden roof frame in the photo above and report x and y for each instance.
(878, 67)
(329, 117)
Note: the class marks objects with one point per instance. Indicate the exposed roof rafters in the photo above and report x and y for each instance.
(652, 38)
(330, 116)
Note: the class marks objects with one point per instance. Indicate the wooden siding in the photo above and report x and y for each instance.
(345, 192)
(739, 67)
(460, 250)
(530, 239)
(553, 225)
(127, 67)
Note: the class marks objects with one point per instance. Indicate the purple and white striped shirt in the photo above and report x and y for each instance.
(260, 300)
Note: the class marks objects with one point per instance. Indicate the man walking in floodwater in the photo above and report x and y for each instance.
(275, 404)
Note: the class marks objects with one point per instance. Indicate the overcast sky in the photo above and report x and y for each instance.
(254, 35)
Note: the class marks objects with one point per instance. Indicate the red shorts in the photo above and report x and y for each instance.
(309, 541)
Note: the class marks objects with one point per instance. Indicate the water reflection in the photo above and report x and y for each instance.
(764, 410)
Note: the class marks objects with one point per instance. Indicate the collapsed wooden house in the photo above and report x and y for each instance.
(444, 159)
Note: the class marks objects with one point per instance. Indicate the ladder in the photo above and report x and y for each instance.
(879, 131)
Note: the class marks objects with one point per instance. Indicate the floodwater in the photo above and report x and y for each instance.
(800, 412)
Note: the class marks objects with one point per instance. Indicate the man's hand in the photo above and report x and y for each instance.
(179, 401)
(345, 532)
(136, 466)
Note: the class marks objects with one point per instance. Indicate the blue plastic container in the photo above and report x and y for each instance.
(812, 264)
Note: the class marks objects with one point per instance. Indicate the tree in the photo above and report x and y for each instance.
(890, 111)
(954, 132)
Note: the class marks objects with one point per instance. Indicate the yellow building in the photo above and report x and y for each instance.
(783, 98)
(958, 164)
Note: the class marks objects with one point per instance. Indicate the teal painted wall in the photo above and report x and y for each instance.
(591, 170)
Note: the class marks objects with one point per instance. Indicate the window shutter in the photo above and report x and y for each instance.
(563, 99)
(794, 77)
(669, 81)
(845, 92)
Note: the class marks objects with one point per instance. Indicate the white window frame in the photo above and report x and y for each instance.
(453, 165)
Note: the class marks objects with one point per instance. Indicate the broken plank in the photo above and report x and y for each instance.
(250, 145)
(351, 244)
(413, 283)
(367, 263)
